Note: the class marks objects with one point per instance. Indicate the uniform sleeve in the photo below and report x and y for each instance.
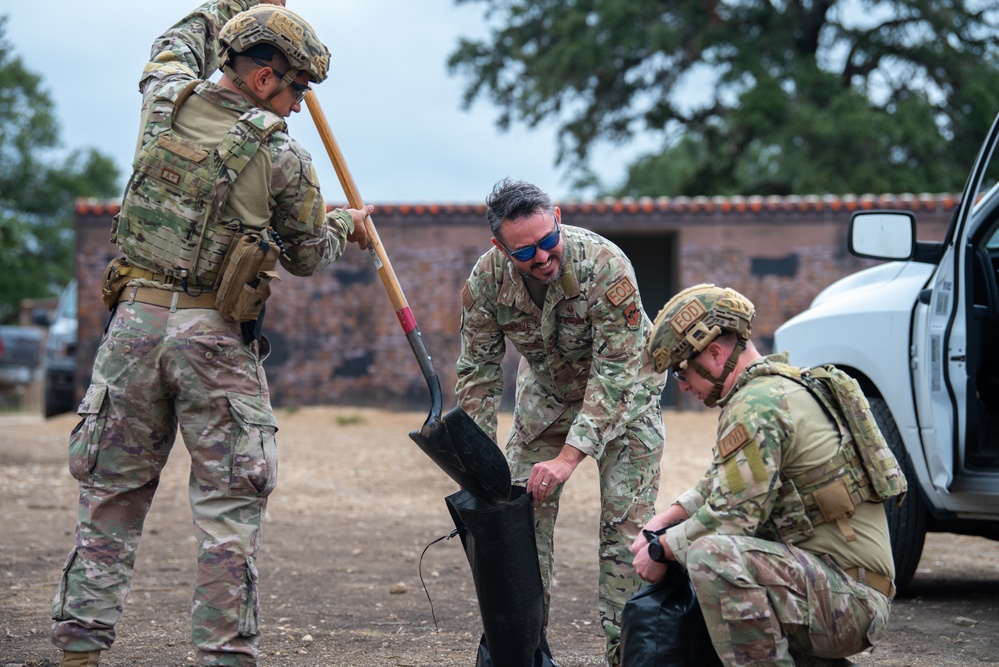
(744, 479)
(479, 369)
(619, 339)
(189, 49)
(693, 499)
(312, 238)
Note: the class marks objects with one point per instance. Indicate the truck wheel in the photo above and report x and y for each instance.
(907, 523)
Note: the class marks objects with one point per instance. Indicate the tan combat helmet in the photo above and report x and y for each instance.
(690, 321)
(281, 28)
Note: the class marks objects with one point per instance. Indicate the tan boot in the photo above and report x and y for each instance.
(73, 659)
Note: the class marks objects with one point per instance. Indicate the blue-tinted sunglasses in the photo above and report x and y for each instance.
(298, 90)
(527, 253)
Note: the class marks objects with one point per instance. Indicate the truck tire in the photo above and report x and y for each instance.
(906, 523)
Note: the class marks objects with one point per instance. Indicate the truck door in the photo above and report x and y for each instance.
(940, 332)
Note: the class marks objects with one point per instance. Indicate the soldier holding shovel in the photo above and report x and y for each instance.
(220, 193)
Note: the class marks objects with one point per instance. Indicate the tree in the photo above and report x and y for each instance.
(38, 186)
(749, 96)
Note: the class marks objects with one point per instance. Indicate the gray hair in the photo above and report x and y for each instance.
(515, 200)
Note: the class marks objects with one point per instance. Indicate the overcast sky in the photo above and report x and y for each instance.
(393, 108)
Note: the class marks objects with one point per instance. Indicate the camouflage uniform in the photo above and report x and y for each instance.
(770, 597)
(159, 367)
(585, 380)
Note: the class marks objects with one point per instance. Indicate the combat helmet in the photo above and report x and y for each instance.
(691, 320)
(281, 28)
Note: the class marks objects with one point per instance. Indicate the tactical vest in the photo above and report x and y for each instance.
(863, 470)
(170, 219)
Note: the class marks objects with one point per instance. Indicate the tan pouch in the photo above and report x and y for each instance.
(835, 503)
(244, 281)
(115, 279)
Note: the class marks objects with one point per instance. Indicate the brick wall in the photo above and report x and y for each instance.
(336, 339)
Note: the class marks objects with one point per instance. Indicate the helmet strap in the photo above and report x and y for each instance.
(719, 382)
(243, 86)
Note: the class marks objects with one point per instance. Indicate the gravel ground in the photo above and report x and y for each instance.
(341, 567)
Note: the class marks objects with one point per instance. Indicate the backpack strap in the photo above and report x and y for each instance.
(241, 143)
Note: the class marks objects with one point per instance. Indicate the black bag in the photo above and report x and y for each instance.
(662, 626)
(500, 547)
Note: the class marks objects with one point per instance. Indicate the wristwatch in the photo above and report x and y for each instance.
(656, 552)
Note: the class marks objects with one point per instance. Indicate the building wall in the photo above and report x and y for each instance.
(336, 339)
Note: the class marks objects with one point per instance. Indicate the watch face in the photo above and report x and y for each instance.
(656, 551)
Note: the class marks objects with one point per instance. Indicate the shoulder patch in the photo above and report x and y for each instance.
(732, 441)
(467, 298)
(632, 315)
(620, 290)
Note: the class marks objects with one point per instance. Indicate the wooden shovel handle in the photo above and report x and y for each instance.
(375, 247)
(381, 260)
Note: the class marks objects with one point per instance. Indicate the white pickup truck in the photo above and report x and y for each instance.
(921, 335)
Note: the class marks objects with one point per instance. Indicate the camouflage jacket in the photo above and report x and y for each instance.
(279, 187)
(773, 435)
(584, 352)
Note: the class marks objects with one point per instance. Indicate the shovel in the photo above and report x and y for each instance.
(454, 442)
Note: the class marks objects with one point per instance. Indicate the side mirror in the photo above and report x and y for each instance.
(41, 318)
(889, 235)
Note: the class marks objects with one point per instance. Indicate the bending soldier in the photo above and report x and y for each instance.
(785, 537)
(567, 300)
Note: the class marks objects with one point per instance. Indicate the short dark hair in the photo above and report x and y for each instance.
(515, 200)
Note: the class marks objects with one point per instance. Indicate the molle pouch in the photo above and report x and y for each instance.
(115, 280)
(244, 280)
(835, 503)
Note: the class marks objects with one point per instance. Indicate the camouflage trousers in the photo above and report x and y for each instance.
(156, 370)
(772, 604)
(629, 484)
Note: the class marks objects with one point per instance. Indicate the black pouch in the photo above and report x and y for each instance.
(662, 626)
(500, 547)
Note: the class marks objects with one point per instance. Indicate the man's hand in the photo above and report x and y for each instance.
(545, 476)
(360, 233)
(648, 569)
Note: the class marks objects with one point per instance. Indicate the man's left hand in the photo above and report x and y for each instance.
(360, 233)
(547, 475)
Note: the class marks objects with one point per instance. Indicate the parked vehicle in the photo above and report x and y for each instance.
(921, 335)
(20, 355)
(60, 356)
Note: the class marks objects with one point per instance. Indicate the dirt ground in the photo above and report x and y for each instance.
(356, 506)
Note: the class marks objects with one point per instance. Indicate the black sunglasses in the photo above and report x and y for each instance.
(298, 90)
(527, 253)
(681, 376)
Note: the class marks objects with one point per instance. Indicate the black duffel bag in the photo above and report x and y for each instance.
(662, 626)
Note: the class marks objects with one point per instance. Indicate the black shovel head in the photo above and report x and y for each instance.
(470, 457)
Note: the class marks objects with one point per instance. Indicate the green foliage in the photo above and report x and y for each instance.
(751, 97)
(38, 186)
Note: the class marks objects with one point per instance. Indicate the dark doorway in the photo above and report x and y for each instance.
(655, 258)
